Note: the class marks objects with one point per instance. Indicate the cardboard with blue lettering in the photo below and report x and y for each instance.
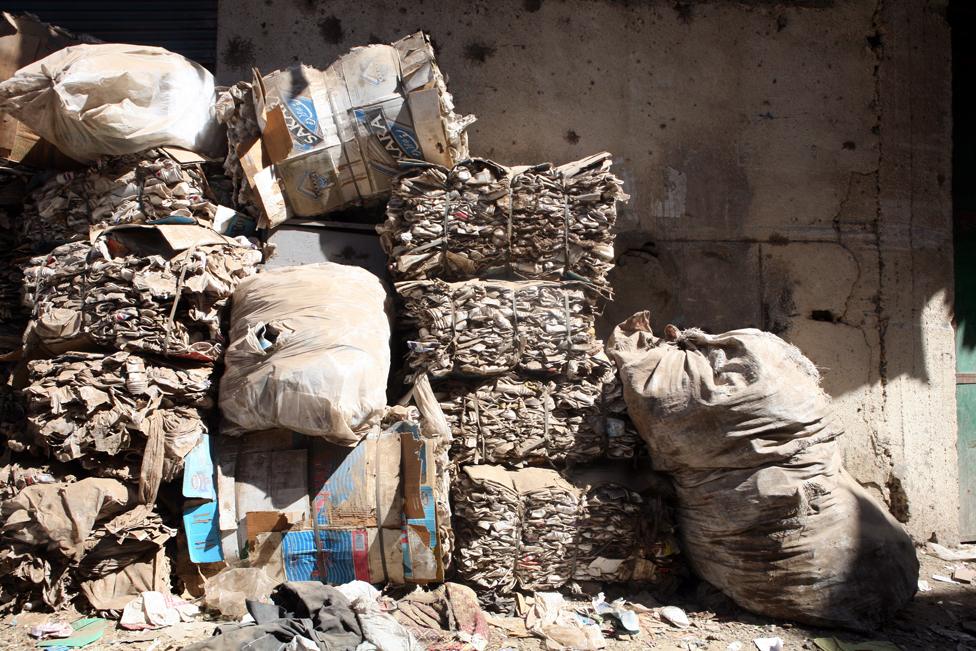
(338, 136)
(200, 521)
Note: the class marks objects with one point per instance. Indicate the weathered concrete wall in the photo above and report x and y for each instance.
(788, 165)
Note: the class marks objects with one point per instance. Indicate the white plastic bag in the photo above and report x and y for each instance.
(309, 352)
(96, 100)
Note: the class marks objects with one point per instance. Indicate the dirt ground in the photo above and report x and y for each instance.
(942, 618)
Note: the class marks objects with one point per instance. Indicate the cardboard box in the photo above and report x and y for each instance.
(336, 137)
(374, 513)
(337, 556)
(357, 487)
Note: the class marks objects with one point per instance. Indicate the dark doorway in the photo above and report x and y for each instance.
(188, 27)
(962, 19)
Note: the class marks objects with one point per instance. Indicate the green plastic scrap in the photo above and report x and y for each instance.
(833, 644)
(87, 630)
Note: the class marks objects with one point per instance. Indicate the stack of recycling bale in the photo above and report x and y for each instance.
(501, 272)
(124, 330)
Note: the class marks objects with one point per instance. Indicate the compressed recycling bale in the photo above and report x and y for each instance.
(127, 291)
(487, 516)
(550, 521)
(100, 408)
(480, 219)
(766, 511)
(235, 110)
(515, 420)
(482, 328)
(539, 529)
(13, 316)
(131, 189)
(309, 351)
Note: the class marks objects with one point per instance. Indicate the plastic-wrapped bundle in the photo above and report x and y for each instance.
(235, 110)
(113, 294)
(487, 327)
(130, 189)
(309, 351)
(480, 219)
(515, 420)
(87, 406)
(767, 512)
(539, 529)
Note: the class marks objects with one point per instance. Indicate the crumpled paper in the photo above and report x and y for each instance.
(235, 110)
(534, 529)
(487, 327)
(135, 188)
(551, 618)
(97, 408)
(481, 219)
(89, 536)
(122, 299)
(517, 420)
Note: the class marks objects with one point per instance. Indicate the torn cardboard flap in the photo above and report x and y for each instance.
(147, 238)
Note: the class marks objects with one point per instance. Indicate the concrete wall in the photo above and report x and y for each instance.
(788, 165)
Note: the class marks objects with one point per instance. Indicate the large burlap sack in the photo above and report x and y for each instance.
(96, 100)
(309, 352)
(765, 509)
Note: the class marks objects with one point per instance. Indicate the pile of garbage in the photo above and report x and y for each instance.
(509, 451)
(109, 373)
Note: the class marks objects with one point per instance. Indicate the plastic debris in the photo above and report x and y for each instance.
(52, 630)
(151, 610)
(626, 619)
(85, 631)
(675, 616)
(769, 643)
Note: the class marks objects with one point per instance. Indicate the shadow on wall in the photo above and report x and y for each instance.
(820, 295)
